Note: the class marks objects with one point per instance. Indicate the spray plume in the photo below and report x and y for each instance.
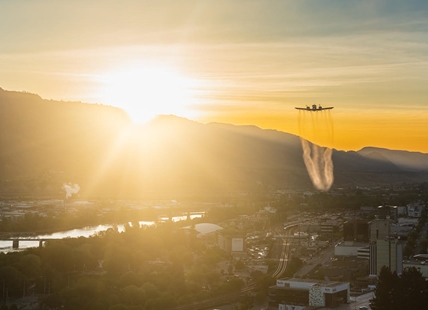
(317, 159)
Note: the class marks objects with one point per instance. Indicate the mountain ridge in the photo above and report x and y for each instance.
(406, 160)
(46, 143)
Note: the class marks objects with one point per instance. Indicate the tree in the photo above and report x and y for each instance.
(119, 307)
(411, 287)
(129, 278)
(246, 302)
(293, 266)
(264, 282)
(30, 265)
(423, 245)
(59, 256)
(13, 280)
(393, 292)
(239, 265)
(385, 290)
(132, 295)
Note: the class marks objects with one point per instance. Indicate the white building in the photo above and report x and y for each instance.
(349, 248)
(414, 211)
(291, 293)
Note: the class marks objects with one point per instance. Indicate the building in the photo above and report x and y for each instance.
(384, 249)
(291, 293)
(357, 231)
(382, 212)
(232, 242)
(389, 253)
(393, 213)
(421, 266)
(414, 211)
(364, 252)
(205, 231)
(402, 210)
(379, 229)
(372, 259)
(349, 248)
(408, 221)
(329, 228)
(401, 230)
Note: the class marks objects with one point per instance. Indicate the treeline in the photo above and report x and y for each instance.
(412, 246)
(406, 291)
(156, 267)
(352, 199)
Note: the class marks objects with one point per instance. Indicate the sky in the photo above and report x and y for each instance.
(244, 62)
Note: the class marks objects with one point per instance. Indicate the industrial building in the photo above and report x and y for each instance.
(379, 229)
(389, 253)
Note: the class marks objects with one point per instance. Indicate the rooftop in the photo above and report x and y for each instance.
(205, 228)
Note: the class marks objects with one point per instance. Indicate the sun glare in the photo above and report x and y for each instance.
(144, 92)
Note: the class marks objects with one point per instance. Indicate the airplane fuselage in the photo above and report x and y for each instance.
(314, 108)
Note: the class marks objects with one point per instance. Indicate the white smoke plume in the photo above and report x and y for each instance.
(70, 189)
(319, 165)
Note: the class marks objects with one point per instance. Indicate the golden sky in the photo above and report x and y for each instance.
(241, 62)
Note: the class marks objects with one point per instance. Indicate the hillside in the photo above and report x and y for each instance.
(45, 144)
(406, 161)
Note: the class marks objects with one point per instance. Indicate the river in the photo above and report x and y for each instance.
(6, 246)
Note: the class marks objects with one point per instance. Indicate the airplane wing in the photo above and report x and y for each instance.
(314, 110)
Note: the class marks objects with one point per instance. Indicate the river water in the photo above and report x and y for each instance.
(6, 246)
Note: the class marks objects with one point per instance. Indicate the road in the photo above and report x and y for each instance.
(321, 258)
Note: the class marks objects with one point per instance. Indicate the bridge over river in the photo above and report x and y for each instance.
(15, 241)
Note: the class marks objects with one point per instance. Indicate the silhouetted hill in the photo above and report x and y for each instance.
(46, 143)
(43, 140)
(406, 161)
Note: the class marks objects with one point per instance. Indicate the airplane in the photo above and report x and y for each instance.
(314, 108)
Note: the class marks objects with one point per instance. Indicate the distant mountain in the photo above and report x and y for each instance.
(45, 143)
(406, 161)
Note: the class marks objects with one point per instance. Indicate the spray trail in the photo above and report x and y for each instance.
(317, 159)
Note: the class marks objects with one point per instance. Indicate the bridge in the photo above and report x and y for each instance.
(15, 241)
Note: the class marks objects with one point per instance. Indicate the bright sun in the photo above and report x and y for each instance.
(145, 91)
